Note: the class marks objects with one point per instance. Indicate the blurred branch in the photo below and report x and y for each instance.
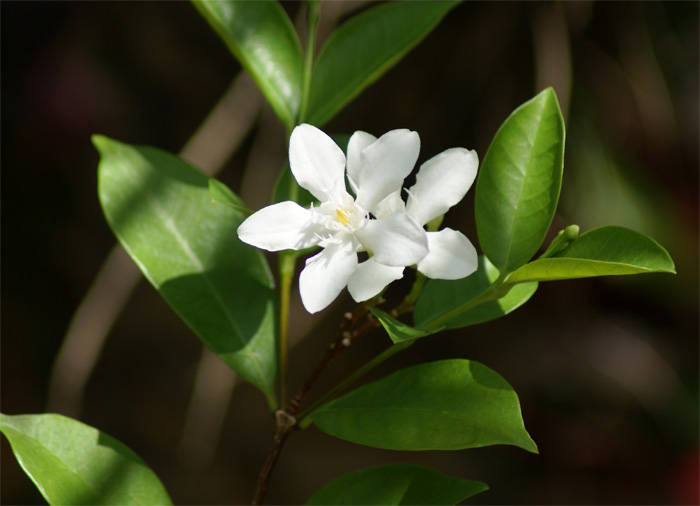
(552, 51)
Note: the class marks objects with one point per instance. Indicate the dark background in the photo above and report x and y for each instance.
(606, 369)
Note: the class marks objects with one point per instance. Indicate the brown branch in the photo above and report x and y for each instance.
(285, 424)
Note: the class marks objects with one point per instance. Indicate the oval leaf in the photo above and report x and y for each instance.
(364, 48)
(394, 485)
(72, 463)
(519, 182)
(447, 405)
(440, 298)
(262, 38)
(605, 251)
(160, 209)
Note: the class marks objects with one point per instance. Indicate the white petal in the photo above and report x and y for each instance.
(326, 274)
(395, 240)
(317, 163)
(371, 278)
(441, 182)
(286, 225)
(384, 165)
(357, 143)
(390, 205)
(451, 256)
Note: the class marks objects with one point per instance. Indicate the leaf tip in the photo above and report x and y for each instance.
(101, 143)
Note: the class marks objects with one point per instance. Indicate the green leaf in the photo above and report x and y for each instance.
(222, 194)
(399, 331)
(447, 405)
(262, 38)
(160, 209)
(441, 298)
(605, 251)
(364, 48)
(396, 484)
(519, 182)
(72, 463)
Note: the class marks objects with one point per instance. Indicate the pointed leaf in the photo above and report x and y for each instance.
(394, 485)
(72, 463)
(222, 194)
(440, 297)
(364, 48)
(160, 209)
(262, 38)
(605, 251)
(519, 182)
(399, 331)
(447, 405)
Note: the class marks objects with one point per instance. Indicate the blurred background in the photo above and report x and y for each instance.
(606, 369)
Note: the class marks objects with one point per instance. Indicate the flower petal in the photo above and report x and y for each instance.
(384, 165)
(286, 225)
(317, 163)
(326, 274)
(451, 256)
(357, 143)
(371, 278)
(395, 240)
(390, 205)
(441, 183)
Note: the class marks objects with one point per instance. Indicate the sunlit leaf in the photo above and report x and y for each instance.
(396, 484)
(72, 463)
(160, 209)
(447, 405)
(519, 182)
(222, 194)
(262, 38)
(605, 251)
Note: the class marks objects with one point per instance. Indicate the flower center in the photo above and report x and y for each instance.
(342, 216)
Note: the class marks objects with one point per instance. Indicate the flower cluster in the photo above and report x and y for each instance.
(376, 221)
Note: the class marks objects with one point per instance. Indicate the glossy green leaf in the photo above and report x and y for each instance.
(447, 405)
(440, 298)
(262, 38)
(72, 463)
(364, 48)
(396, 484)
(160, 209)
(222, 194)
(519, 182)
(605, 251)
(399, 331)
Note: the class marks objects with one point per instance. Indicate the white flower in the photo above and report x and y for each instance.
(441, 182)
(344, 226)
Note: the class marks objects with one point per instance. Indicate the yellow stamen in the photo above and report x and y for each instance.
(342, 217)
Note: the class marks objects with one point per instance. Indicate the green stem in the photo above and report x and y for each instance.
(312, 24)
(286, 269)
(303, 418)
